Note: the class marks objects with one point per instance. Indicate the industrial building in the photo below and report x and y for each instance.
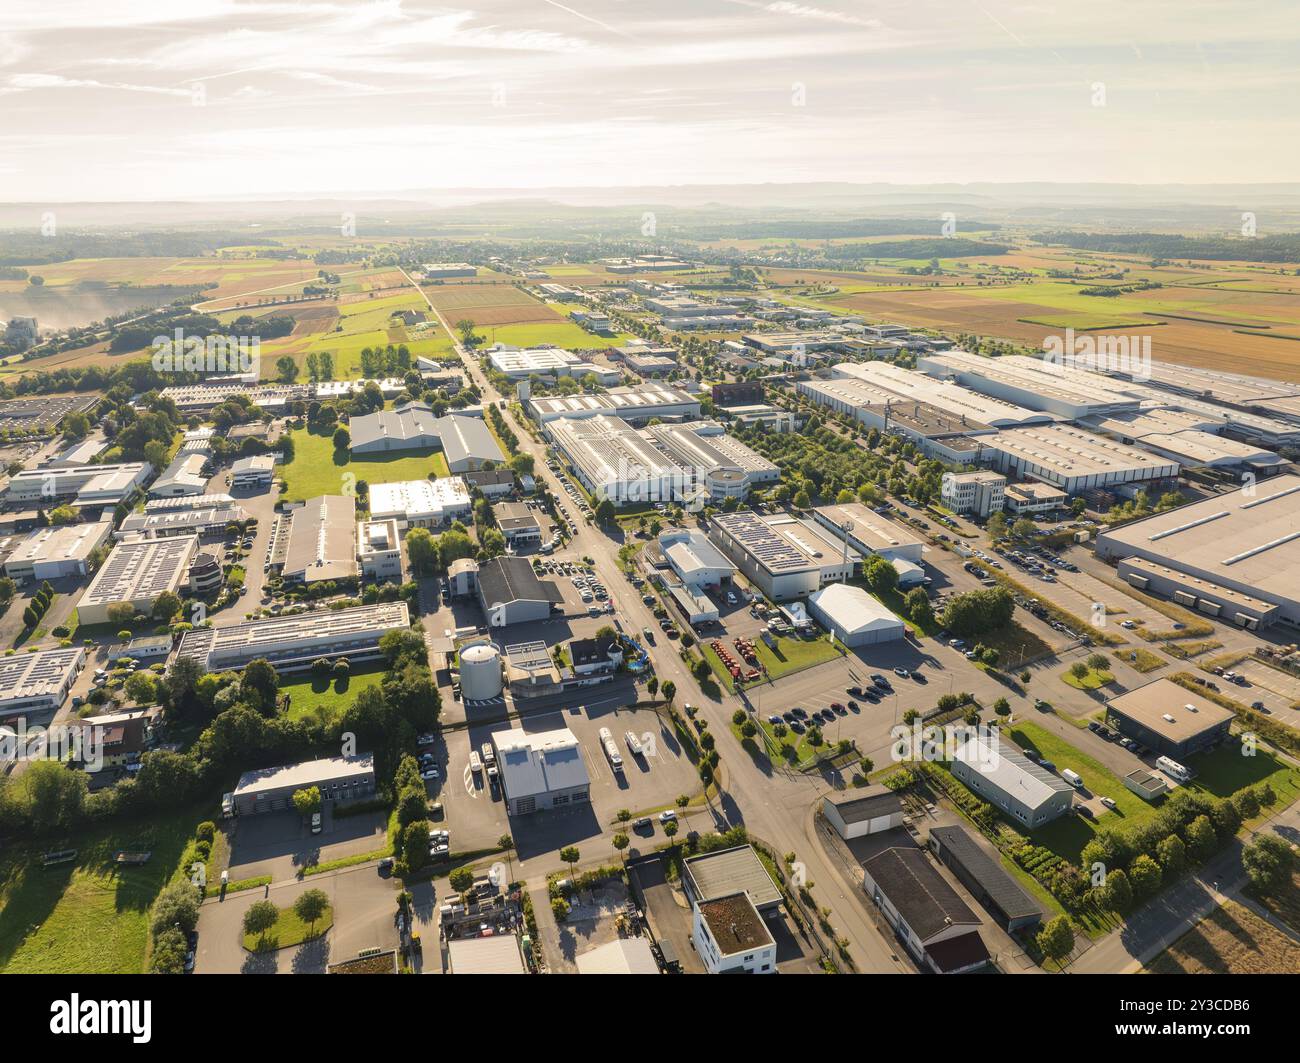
(421, 503)
(722, 465)
(1235, 555)
(1073, 459)
(511, 593)
(467, 443)
(1006, 778)
(934, 924)
(55, 552)
(1181, 437)
(783, 556)
(1034, 497)
(854, 617)
(86, 485)
(184, 476)
(379, 551)
(1034, 383)
(322, 540)
(985, 878)
(272, 789)
(81, 453)
(441, 270)
(697, 562)
(869, 811)
(633, 955)
(725, 872)
(197, 398)
(634, 403)
(38, 682)
(979, 492)
(968, 405)
(248, 474)
(613, 460)
(136, 573)
(541, 770)
(209, 515)
(1169, 719)
(517, 364)
(295, 642)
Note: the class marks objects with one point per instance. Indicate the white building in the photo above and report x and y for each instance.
(1034, 497)
(854, 617)
(1073, 459)
(421, 503)
(731, 937)
(636, 403)
(783, 556)
(184, 476)
(296, 642)
(541, 770)
(253, 472)
(85, 485)
(379, 550)
(612, 460)
(38, 682)
(136, 573)
(867, 811)
(869, 532)
(322, 544)
(55, 552)
(979, 492)
(697, 561)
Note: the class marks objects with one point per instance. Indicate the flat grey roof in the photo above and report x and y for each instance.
(306, 773)
(734, 870)
(1149, 705)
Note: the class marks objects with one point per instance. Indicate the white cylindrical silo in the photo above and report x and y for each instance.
(480, 672)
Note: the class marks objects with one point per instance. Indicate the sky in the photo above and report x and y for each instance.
(193, 99)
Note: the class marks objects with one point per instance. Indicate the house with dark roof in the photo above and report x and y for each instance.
(988, 882)
(493, 483)
(595, 656)
(511, 593)
(867, 811)
(926, 914)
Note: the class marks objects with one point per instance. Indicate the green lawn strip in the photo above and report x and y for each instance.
(1094, 679)
(1141, 660)
(347, 861)
(288, 931)
(326, 698)
(318, 468)
(794, 654)
(91, 916)
(248, 884)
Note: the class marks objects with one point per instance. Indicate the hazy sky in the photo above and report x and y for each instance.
(149, 99)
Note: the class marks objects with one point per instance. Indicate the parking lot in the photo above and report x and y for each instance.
(476, 817)
(279, 843)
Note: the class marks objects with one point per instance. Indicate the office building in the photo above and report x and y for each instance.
(781, 555)
(322, 540)
(518, 523)
(337, 778)
(1030, 795)
(84, 486)
(379, 551)
(252, 473)
(731, 938)
(979, 492)
(210, 515)
(56, 552)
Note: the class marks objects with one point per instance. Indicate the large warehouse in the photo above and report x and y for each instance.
(541, 770)
(1005, 777)
(466, 442)
(868, 532)
(613, 460)
(784, 557)
(510, 592)
(724, 466)
(1235, 555)
(640, 403)
(1169, 718)
(1074, 459)
(907, 385)
(1034, 383)
(136, 573)
(293, 642)
(854, 617)
(322, 541)
(272, 789)
(421, 503)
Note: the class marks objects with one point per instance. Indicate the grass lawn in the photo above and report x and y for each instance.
(1219, 773)
(288, 931)
(790, 655)
(1091, 681)
(1230, 940)
(91, 916)
(1015, 645)
(326, 699)
(318, 469)
(1140, 659)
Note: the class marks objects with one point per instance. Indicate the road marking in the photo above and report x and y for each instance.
(470, 788)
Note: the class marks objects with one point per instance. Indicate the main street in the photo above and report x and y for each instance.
(772, 804)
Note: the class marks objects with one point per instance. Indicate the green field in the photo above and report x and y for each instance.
(91, 916)
(325, 699)
(318, 469)
(288, 931)
(1220, 773)
(561, 333)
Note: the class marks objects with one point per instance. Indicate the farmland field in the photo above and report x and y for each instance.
(1231, 940)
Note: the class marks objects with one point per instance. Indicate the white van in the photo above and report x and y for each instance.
(1173, 769)
(1072, 777)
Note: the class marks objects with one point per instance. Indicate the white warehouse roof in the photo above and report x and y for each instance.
(853, 610)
